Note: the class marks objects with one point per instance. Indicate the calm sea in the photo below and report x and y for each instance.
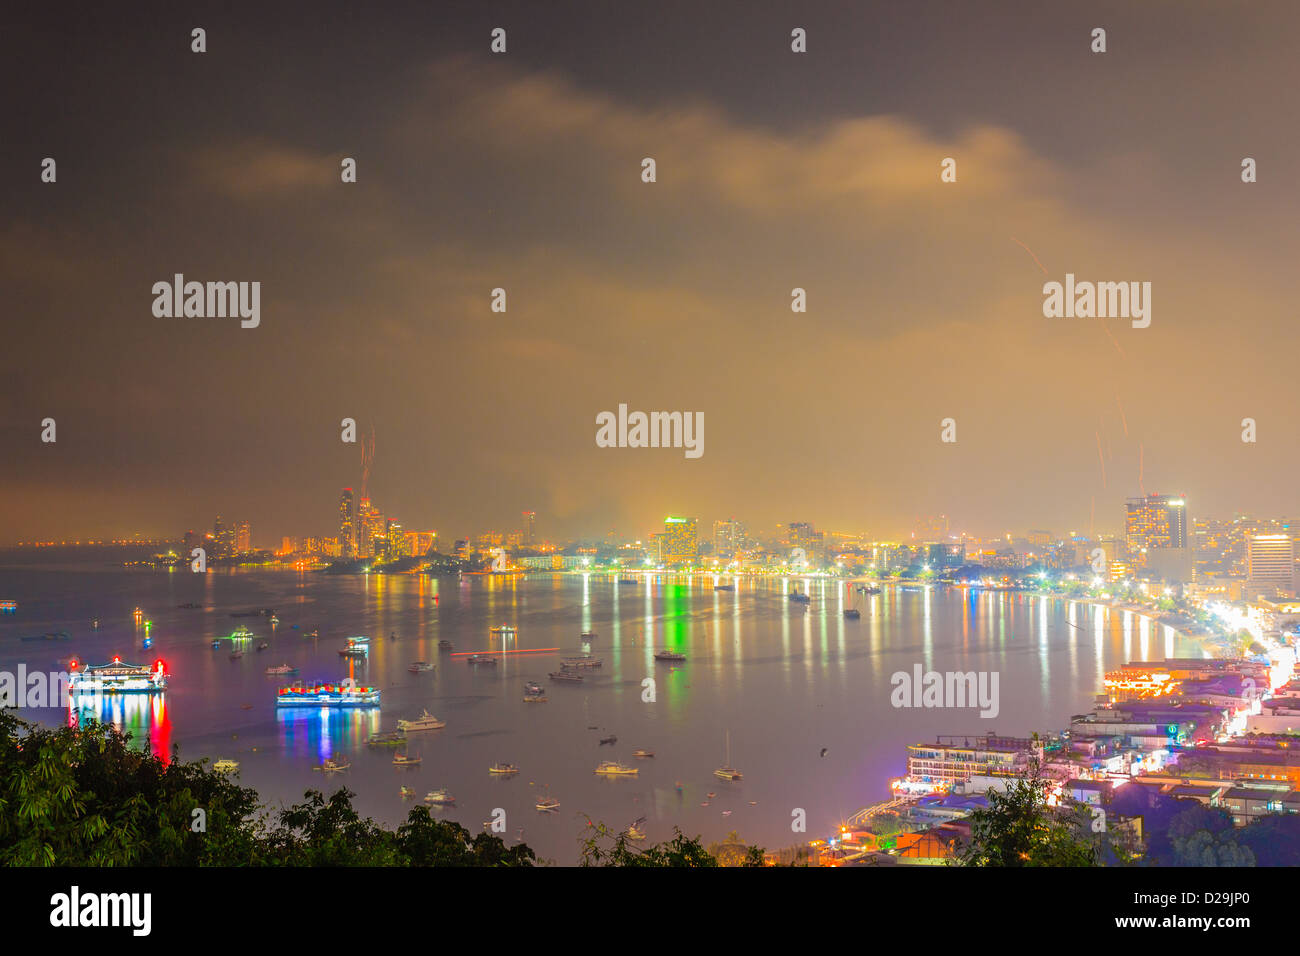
(803, 692)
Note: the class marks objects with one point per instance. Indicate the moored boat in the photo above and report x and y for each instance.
(419, 667)
(425, 721)
(613, 768)
(569, 676)
(484, 659)
(503, 769)
(643, 753)
(403, 760)
(669, 656)
(282, 669)
(440, 797)
(331, 765)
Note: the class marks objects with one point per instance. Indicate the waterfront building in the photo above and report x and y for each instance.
(679, 544)
(952, 759)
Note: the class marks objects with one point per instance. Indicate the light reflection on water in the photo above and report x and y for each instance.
(786, 680)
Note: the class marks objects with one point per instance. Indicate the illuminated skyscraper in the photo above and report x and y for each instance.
(728, 538)
(243, 537)
(347, 525)
(1270, 564)
(1156, 521)
(680, 543)
(530, 528)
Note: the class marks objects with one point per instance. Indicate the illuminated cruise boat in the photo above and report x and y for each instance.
(117, 678)
(327, 695)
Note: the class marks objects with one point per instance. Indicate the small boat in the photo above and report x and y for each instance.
(216, 645)
(503, 769)
(334, 766)
(444, 645)
(565, 676)
(485, 659)
(419, 667)
(226, 766)
(241, 633)
(402, 760)
(611, 739)
(425, 721)
(548, 803)
(588, 635)
(798, 597)
(852, 614)
(724, 587)
(274, 620)
(390, 739)
(440, 797)
(570, 662)
(504, 631)
(354, 650)
(627, 580)
(407, 792)
(669, 656)
(535, 698)
(727, 771)
(634, 831)
(237, 655)
(263, 646)
(532, 687)
(147, 643)
(615, 769)
(282, 669)
(643, 753)
(313, 633)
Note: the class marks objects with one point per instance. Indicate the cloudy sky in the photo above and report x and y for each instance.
(775, 170)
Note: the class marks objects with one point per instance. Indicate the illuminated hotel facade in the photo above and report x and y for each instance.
(1270, 564)
(680, 542)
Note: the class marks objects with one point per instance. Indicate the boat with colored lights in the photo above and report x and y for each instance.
(327, 695)
(505, 632)
(503, 769)
(355, 647)
(334, 766)
(226, 766)
(393, 738)
(116, 677)
(425, 721)
(241, 633)
(643, 753)
(282, 669)
(548, 803)
(440, 797)
(485, 659)
(615, 769)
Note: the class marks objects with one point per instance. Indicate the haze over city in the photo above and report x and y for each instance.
(523, 172)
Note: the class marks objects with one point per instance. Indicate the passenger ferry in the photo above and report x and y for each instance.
(504, 631)
(425, 721)
(481, 659)
(440, 797)
(241, 633)
(117, 678)
(327, 695)
(569, 662)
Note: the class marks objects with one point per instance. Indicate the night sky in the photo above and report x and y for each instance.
(775, 170)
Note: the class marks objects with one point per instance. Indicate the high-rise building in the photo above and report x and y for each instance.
(1154, 522)
(347, 524)
(243, 537)
(530, 528)
(728, 538)
(1270, 564)
(680, 543)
